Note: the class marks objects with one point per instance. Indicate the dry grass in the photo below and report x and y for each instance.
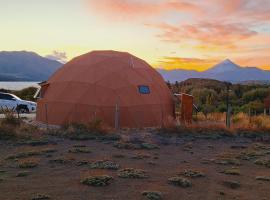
(216, 116)
(242, 120)
(214, 127)
(12, 127)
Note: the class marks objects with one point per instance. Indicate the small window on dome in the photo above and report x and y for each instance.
(144, 89)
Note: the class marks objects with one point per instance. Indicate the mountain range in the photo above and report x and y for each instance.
(223, 71)
(29, 66)
(25, 66)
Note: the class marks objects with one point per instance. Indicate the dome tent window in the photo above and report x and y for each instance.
(144, 89)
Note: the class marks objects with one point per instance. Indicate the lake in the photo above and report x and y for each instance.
(17, 85)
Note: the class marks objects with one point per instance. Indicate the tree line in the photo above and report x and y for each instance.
(211, 96)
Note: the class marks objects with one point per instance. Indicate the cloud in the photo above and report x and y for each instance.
(186, 63)
(139, 9)
(212, 33)
(58, 56)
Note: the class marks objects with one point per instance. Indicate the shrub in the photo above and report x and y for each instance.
(129, 145)
(10, 119)
(232, 184)
(61, 160)
(79, 150)
(23, 174)
(26, 93)
(192, 173)
(41, 197)
(132, 173)
(27, 154)
(104, 164)
(179, 181)
(7, 132)
(97, 181)
(263, 178)
(24, 154)
(152, 195)
(94, 127)
(28, 164)
(263, 162)
(232, 171)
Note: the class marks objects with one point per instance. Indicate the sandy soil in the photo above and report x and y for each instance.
(174, 155)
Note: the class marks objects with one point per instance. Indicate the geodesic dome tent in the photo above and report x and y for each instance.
(115, 87)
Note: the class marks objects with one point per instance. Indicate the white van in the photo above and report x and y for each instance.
(12, 102)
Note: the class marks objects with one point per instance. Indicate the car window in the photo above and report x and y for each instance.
(6, 97)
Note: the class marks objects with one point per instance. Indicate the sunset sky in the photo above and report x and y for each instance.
(167, 33)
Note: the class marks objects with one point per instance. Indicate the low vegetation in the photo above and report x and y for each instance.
(232, 171)
(80, 150)
(132, 173)
(27, 164)
(23, 174)
(231, 184)
(263, 162)
(180, 181)
(152, 195)
(130, 145)
(97, 181)
(192, 173)
(32, 153)
(263, 178)
(41, 197)
(13, 128)
(61, 160)
(104, 164)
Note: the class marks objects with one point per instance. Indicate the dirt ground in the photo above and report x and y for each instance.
(60, 169)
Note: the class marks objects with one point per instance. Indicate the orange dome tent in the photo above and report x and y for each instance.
(115, 87)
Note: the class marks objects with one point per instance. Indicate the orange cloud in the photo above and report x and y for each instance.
(211, 33)
(127, 9)
(198, 64)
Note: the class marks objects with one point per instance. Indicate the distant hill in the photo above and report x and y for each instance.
(202, 83)
(224, 71)
(25, 66)
(259, 82)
